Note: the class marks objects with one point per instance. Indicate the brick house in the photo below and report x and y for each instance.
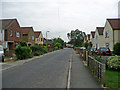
(28, 35)
(0, 37)
(38, 38)
(12, 34)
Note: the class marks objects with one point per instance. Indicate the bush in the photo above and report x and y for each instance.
(23, 52)
(23, 43)
(117, 48)
(114, 62)
(38, 50)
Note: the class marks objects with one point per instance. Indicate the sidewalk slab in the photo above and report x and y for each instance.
(81, 77)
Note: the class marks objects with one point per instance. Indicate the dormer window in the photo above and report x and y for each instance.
(11, 33)
(106, 35)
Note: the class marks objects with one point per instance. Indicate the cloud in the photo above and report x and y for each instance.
(60, 16)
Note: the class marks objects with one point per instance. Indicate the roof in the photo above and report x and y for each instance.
(93, 33)
(6, 22)
(37, 34)
(100, 30)
(115, 23)
(26, 30)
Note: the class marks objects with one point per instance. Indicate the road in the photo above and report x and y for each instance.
(49, 71)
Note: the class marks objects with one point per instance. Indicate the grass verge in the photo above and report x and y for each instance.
(112, 79)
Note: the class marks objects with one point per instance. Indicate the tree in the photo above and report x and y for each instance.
(58, 42)
(117, 48)
(76, 37)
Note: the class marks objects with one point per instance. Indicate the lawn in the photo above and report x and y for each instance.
(112, 79)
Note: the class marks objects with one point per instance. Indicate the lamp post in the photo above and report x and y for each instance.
(46, 36)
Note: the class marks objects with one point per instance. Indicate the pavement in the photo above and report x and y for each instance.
(81, 77)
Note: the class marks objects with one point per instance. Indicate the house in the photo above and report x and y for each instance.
(87, 38)
(0, 37)
(111, 32)
(92, 37)
(98, 38)
(38, 38)
(11, 33)
(28, 35)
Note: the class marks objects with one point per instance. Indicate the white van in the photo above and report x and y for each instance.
(1, 53)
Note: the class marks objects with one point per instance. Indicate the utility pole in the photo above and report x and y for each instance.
(46, 36)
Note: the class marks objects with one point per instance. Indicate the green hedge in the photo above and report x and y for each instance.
(38, 50)
(23, 52)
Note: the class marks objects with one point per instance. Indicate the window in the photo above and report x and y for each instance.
(32, 37)
(96, 37)
(106, 34)
(17, 34)
(41, 39)
(11, 33)
(107, 45)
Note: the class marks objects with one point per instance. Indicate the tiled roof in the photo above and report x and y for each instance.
(93, 33)
(6, 22)
(115, 23)
(100, 30)
(37, 33)
(26, 30)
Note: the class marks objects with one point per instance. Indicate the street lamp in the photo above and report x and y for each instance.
(46, 36)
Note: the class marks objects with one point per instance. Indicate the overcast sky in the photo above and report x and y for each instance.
(60, 16)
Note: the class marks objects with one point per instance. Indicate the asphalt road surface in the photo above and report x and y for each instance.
(49, 71)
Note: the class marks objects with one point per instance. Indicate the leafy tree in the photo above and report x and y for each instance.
(86, 44)
(117, 48)
(76, 37)
(58, 42)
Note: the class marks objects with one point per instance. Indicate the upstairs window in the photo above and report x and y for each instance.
(32, 37)
(41, 39)
(106, 34)
(17, 34)
(11, 33)
(96, 37)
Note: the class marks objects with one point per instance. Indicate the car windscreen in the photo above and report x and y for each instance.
(103, 49)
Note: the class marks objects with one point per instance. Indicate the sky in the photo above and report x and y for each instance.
(60, 16)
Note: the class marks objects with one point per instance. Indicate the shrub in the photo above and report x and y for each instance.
(23, 52)
(23, 43)
(38, 50)
(114, 62)
(117, 48)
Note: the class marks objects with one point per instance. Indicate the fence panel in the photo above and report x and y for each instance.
(97, 68)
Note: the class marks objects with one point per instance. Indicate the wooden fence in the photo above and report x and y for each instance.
(97, 68)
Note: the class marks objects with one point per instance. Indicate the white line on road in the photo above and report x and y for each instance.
(69, 73)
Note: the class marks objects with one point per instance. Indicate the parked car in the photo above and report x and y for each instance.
(1, 53)
(92, 49)
(104, 51)
(82, 48)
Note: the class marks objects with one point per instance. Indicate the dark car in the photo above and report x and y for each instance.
(104, 51)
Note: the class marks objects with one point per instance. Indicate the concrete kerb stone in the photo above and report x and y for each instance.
(16, 63)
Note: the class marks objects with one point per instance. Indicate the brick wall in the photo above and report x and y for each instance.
(15, 28)
(0, 42)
